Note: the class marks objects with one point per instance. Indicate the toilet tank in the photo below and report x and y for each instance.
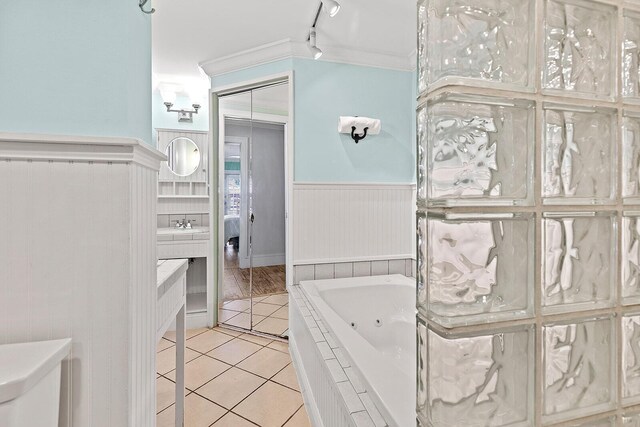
(30, 382)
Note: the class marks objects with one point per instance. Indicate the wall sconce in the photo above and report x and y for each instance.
(359, 127)
(184, 116)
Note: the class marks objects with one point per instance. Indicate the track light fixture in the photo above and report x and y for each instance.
(332, 7)
(315, 50)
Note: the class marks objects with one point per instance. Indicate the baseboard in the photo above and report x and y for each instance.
(263, 260)
(305, 388)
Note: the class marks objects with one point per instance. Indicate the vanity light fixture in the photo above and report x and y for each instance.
(184, 116)
(332, 7)
(315, 50)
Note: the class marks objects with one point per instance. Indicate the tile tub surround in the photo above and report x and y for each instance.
(343, 270)
(355, 406)
(528, 212)
(232, 380)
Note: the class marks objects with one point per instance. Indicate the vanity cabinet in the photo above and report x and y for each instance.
(183, 196)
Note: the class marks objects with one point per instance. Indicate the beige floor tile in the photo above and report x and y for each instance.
(300, 419)
(207, 341)
(237, 305)
(262, 309)
(282, 313)
(198, 412)
(224, 315)
(200, 371)
(230, 387)
(242, 320)
(255, 339)
(270, 406)
(166, 418)
(234, 351)
(165, 393)
(227, 331)
(287, 377)
(232, 420)
(266, 362)
(166, 359)
(273, 326)
(279, 299)
(280, 346)
(164, 344)
(171, 335)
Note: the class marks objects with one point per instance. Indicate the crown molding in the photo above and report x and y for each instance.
(287, 49)
(26, 146)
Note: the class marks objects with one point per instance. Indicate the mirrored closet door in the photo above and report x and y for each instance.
(252, 287)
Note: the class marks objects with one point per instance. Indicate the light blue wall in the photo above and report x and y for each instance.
(326, 90)
(323, 92)
(75, 67)
(163, 120)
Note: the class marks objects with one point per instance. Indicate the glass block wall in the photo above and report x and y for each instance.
(528, 213)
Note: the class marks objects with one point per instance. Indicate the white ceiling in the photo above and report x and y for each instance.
(188, 32)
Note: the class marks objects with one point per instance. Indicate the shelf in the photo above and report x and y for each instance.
(196, 302)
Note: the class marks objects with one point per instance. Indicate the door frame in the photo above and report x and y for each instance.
(216, 213)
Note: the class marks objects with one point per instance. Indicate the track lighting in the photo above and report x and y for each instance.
(332, 7)
(315, 50)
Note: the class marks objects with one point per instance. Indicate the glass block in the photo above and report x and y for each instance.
(480, 151)
(580, 51)
(422, 127)
(631, 258)
(631, 420)
(631, 56)
(578, 261)
(631, 358)
(479, 267)
(578, 369)
(422, 46)
(604, 422)
(421, 360)
(579, 155)
(421, 268)
(486, 378)
(631, 157)
(477, 42)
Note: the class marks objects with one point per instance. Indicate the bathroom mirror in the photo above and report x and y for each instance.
(183, 156)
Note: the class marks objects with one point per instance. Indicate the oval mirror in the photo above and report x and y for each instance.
(183, 156)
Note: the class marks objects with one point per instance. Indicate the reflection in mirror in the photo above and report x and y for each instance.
(183, 156)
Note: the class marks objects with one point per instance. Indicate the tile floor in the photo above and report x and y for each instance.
(270, 314)
(232, 380)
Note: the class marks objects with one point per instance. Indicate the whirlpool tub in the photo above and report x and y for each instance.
(353, 344)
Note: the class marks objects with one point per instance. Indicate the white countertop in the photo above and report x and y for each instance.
(23, 365)
(174, 233)
(168, 271)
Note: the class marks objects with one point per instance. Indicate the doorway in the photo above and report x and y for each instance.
(253, 209)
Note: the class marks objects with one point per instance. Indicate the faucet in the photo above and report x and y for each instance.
(180, 224)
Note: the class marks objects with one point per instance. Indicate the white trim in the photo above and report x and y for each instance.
(78, 148)
(287, 49)
(263, 260)
(352, 259)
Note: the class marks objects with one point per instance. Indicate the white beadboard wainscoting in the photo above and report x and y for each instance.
(78, 260)
(352, 226)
